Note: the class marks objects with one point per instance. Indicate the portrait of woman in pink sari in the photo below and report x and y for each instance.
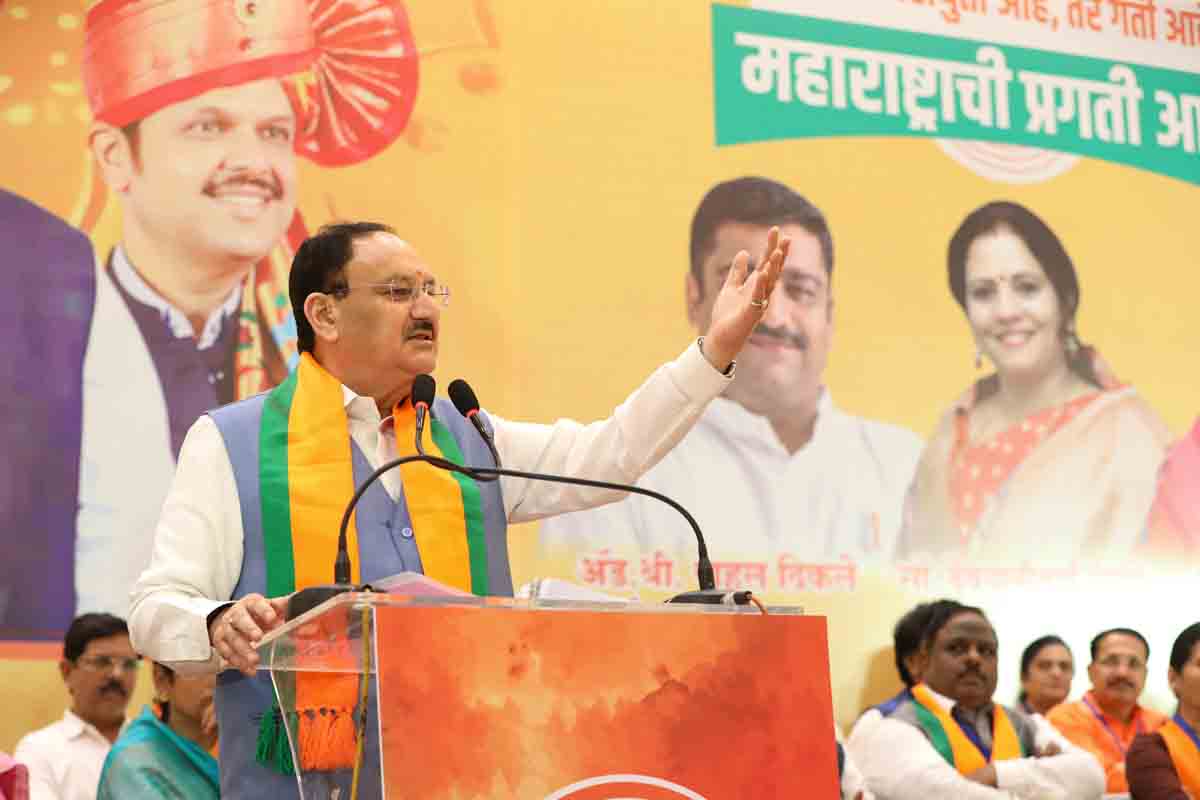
(1173, 530)
(1050, 458)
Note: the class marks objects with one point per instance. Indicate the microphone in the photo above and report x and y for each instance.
(423, 390)
(467, 403)
(464, 399)
(309, 598)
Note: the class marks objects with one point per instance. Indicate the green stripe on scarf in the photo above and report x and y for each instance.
(937, 734)
(472, 509)
(273, 489)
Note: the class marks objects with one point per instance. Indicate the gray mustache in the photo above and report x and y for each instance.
(794, 339)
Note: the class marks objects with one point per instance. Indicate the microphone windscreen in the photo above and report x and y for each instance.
(423, 389)
(463, 397)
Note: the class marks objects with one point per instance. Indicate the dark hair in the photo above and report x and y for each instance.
(1099, 638)
(908, 633)
(941, 615)
(87, 627)
(1181, 651)
(318, 267)
(1046, 248)
(1031, 652)
(754, 201)
(133, 134)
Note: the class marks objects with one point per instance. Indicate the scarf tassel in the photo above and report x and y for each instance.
(326, 739)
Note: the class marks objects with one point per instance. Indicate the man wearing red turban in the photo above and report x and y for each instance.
(200, 109)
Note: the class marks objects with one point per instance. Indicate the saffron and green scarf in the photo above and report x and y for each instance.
(306, 477)
(1184, 748)
(954, 745)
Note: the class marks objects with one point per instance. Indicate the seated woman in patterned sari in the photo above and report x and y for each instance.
(169, 757)
(1050, 458)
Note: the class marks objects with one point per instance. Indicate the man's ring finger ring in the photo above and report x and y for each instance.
(759, 303)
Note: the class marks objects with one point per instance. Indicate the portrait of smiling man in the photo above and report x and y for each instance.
(199, 152)
(774, 467)
(947, 738)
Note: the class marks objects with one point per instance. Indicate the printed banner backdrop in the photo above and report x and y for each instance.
(554, 703)
(548, 163)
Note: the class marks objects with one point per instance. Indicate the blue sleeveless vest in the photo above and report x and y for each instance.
(387, 545)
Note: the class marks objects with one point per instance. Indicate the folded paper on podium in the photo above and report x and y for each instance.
(452, 696)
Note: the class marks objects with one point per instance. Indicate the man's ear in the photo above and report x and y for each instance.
(322, 314)
(921, 661)
(113, 154)
(64, 668)
(694, 297)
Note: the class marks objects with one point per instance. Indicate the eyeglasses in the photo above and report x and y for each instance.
(106, 663)
(401, 292)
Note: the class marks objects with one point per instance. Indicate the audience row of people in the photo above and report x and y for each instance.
(93, 753)
(942, 736)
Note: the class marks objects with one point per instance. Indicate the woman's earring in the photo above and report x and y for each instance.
(1072, 342)
(978, 358)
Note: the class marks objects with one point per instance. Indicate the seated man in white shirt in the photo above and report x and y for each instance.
(773, 470)
(950, 740)
(99, 667)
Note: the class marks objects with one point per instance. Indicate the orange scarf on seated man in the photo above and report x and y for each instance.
(955, 745)
(1184, 747)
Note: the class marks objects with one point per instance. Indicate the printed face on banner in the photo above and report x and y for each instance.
(962, 661)
(215, 174)
(783, 363)
(1012, 307)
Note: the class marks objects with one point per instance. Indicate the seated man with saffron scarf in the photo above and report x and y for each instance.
(906, 649)
(1108, 716)
(254, 510)
(169, 757)
(1166, 765)
(948, 739)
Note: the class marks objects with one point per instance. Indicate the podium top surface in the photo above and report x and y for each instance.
(327, 637)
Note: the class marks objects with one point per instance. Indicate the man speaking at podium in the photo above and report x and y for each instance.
(254, 509)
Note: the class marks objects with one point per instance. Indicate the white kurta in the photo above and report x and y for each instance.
(841, 495)
(64, 759)
(125, 464)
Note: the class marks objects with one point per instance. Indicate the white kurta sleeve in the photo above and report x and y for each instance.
(900, 764)
(619, 449)
(1075, 774)
(196, 559)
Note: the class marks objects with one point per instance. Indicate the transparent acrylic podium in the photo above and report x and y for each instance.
(468, 697)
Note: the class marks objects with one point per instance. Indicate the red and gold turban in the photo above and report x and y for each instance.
(356, 61)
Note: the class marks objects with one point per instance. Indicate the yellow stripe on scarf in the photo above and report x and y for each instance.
(967, 758)
(435, 506)
(1184, 756)
(320, 475)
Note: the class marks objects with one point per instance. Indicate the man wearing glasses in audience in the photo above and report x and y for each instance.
(1105, 720)
(99, 667)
